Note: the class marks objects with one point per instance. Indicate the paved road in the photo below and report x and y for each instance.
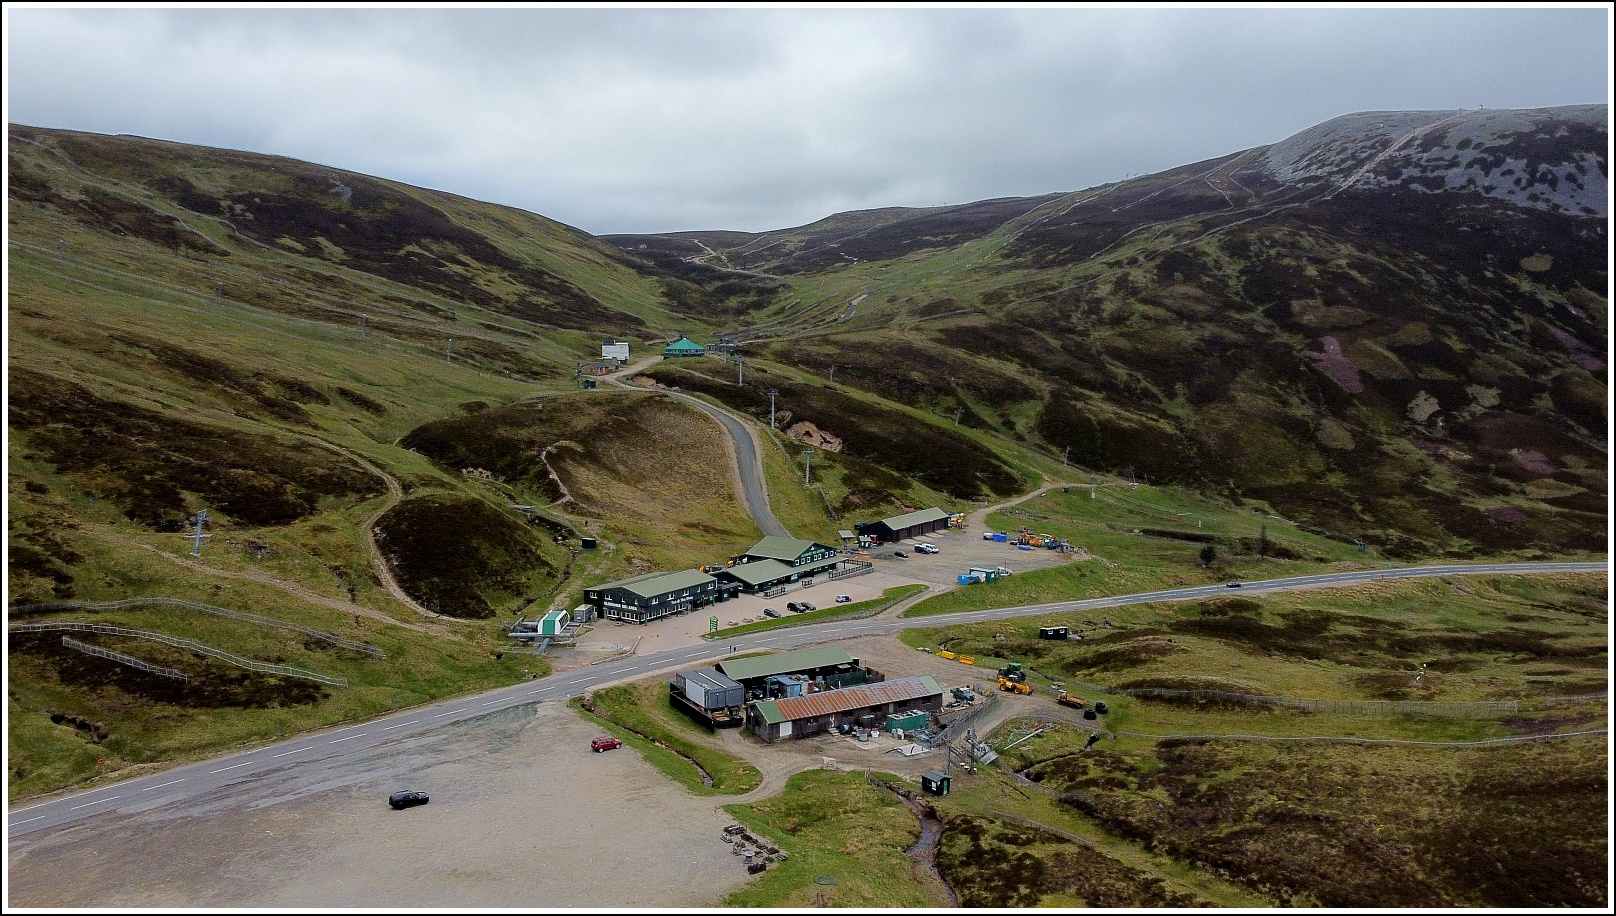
(754, 493)
(333, 748)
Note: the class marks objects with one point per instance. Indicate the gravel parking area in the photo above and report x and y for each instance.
(522, 814)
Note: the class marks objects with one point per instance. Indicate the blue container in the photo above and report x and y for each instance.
(1001, 538)
(1022, 547)
(966, 580)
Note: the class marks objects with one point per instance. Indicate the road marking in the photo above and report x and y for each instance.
(400, 725)
(96, 802)
(15, 823)
(149, 788)
(230, 767)
(492, 702)
(350, 738)
(586, 680)
(449, 713)
(290, 753)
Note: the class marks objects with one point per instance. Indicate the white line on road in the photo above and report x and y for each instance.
(349, 738)
(586, 680)
(230, 767)
(96, 802)
(492, 702)
(400, 725)
(15, 823)
(290, 753)
(149, 788)
(449, 713)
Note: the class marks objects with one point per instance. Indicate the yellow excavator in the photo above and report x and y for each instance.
(1013, 687)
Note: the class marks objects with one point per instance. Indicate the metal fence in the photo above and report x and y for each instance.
(126, 603)
(178, 643)
(123, 659)
(851, 568)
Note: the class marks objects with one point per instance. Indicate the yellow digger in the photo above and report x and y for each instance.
(1013, 687)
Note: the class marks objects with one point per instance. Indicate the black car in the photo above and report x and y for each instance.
(794, 607)
(805, 606)
(1234, 585)
(402, 800)
(900, 554)
(770, 612)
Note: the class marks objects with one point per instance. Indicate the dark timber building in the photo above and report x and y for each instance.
(898, 527)
(642, 599)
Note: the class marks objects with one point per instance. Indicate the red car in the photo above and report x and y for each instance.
(604, 743)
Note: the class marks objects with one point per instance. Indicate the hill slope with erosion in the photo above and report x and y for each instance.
(1390, 326)
(198, 329)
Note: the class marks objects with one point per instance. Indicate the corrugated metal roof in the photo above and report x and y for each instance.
(758, 572)
(651, 585)
(898, 522)
(780, 548)
(844, 533)
(745, 669)
(710, 678)
(827, 702)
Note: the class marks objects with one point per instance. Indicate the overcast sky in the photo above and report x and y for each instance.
(647, 120)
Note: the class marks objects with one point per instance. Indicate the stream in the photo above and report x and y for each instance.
(924, 852)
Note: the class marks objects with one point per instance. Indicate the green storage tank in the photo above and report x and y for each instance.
(911, 718)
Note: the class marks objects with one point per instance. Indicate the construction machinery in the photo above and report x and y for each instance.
(1067, 699)
(1014, 671)
(1013, 687)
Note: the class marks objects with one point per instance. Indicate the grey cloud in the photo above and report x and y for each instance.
(619, 120)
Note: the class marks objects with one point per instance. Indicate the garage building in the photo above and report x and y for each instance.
(827, 668)
(898, 527)
(868, 705)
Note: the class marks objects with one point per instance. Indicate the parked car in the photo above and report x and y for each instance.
(605, 743)
(1234, 584)
(843, 599)
(770, 612)
(900, 554)
(807, 607)
(926, 548)
(402, 800)
(795, 607)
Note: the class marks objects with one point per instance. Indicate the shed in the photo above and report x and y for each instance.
(934, 782)
(1052, 632)
(909, 718)
(707, 688)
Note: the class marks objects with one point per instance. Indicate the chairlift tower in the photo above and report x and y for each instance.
(201, 519)
(807, 466)
(773, 393)
(740, 368)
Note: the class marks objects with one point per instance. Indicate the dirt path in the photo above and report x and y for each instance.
(378, 564)
(262, 578)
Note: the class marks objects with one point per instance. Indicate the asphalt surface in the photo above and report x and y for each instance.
(190, 785)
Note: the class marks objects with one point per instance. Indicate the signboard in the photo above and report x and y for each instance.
(712, 624)
(614, 350)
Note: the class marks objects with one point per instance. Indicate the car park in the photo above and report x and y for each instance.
(770, 612)
(402, 800)
(605, 743)
(843, 599)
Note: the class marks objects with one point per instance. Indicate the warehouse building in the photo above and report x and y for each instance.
(898, 527)
(642, 599)
(826, 668)
(709, 697)
(775, 562)
(868, 706)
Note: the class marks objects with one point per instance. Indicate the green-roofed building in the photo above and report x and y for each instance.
(908, 525)
(816, 662)
(684, 346)
(652, 596)
(775, 562)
